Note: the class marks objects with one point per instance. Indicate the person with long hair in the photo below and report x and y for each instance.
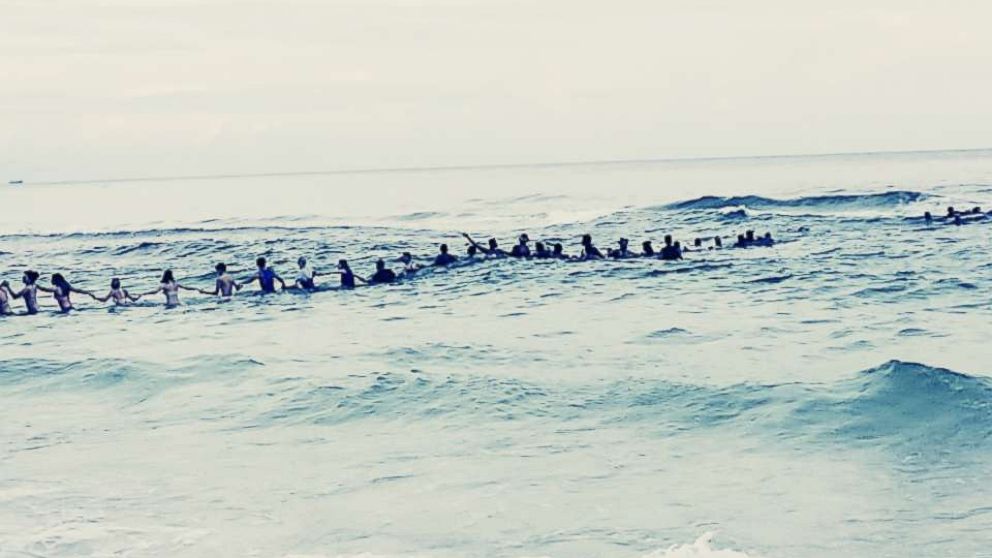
(169, 287)
(29, 292)
(61, 291)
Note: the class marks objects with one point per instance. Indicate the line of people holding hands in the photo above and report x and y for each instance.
(226, 286)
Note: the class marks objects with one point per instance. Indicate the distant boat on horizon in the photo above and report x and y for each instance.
(15, 182)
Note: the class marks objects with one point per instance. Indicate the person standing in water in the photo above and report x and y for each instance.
(348, 277)
(589, 251)
(225, 285)
(61, 290)
(305, 277)
(29, 292)
(120, 295)
(623, 250)
(409, 266)
(170, 288)
(5, 299)
(445, 259)
(382, 274)
(648, 249)
(522, 249)
(266, 277)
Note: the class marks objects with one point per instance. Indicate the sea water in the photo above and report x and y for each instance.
(826, 397)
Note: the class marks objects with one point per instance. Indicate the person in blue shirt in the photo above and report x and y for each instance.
(266, 277)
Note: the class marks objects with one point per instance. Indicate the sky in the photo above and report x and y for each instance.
(129, 88)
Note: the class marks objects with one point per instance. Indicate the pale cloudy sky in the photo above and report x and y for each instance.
(115, 88)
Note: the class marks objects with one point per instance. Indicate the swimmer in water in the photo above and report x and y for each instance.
(225, 285)
(589, 251)
(348, 277)
(558, 252)
(766, 240)
(927, 218)
(443, 258)
(717, 242)
(61, 290)
(305, 277)
(169, 287)
(492, 250)
(409, 266)
(5, 299)
(541, 251)
(119, 295)
(382, 274)
(522, 249)
(670, 252)
(266, 277)
(29, 292)
(623, 251)
(648, 249)
(741, 241)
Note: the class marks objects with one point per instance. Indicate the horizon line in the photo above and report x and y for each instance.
(490, 166)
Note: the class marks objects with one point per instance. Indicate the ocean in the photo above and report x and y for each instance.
(828, 396)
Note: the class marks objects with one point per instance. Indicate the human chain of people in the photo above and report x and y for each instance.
(269, 281)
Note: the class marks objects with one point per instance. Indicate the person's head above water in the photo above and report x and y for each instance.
(647, 247)
(30, 277)
(380, 265)
(493, 244)
(472, 250)
(405, 257)
(741, 240)
(115, 283)
(557, 249)
(950, 211)
(698, 242)
(586, 239)
(976, 209)
(623, 242)
(749, 235)
(539, 246)
(260, 262)
(717, 241)
(668, 240)
(444, 248)
(221, 268)
(343, 264)
(927, 216)
(524, 239)
(167, 277)
(302, 262)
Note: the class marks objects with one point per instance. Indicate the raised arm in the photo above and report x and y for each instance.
(479, 247)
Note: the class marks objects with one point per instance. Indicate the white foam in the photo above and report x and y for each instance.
(700, 549)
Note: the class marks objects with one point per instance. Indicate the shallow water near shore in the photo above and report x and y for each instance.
(828, 396)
